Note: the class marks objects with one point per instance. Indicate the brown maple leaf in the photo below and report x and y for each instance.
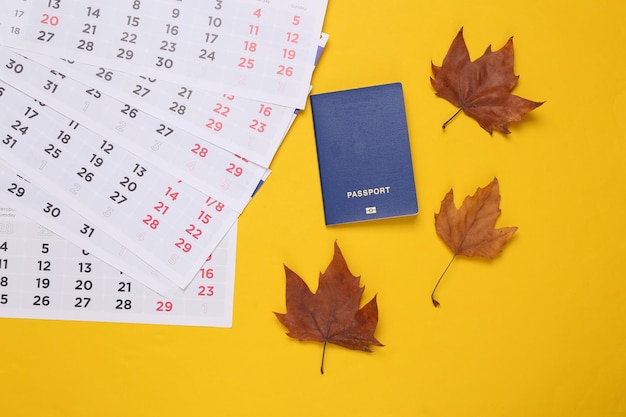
(470, 230)
(481, 88)
(332, 314)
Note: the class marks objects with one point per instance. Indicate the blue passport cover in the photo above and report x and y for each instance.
(364, 154)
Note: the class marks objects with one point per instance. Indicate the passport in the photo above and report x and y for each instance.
(364, 154)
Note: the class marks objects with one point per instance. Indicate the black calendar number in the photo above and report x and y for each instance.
(185, 92)
(45, 36)
(53, 151)
(64, 137)
(93, 92)
(31, 113)
(53, 211)
(164, 62)
(50, 86)
(44, 265)
(10, 142)
(204, 54)
(42, 282)
(123, 304)
(129, 111)
(125, 53)
(104, 74)
(87, 230)
(85, 268)
(85, 285)
(96, 160)
(128, 184)
(128, 37)
(17, 190)
(106, 147)
(118, 197)
(54, 4)
(177, 108)
(15, 66)
(4, 298)
(123, 286)
(89, 29)
(86, 175)
(40, 300)
(81, 302)
(139, 170)
(4, 281)
(4, 246)
(171, 29)
(18, 127)
(168, 46)
(85, 45)
(141, 90)
(164, 130)
(132, 21)
(93, 12)
(211, 37)
(215, 21)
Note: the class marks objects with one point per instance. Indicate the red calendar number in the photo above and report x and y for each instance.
(289, 53)
(200, 150)
(207, 273)
(211, 202)
(265, 110)
(183, 245)
(258, 126)
(164, 306)
(247, 63)
(46, 19)
(214, 125)
(285, 70)
(234, 169)
(206, 291)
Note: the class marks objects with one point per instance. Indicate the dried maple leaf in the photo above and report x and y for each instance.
(470, 230)
(481, 88)
(332, 314)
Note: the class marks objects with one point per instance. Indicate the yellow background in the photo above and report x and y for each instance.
(538, 331)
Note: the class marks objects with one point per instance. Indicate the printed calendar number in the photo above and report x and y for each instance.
(123, 304)
(207, 273)
(41, 300)
(164, 306)
(81, 302)
(206, 291)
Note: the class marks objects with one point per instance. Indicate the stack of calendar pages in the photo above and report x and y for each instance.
(134, 134)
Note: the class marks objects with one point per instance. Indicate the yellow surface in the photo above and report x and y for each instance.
(539, 331)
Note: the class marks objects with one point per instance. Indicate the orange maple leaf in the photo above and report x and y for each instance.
(481, 88)
(332, 314)
(470, 230)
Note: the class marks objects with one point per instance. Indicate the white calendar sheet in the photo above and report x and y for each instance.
(258, 49)
(43, 276)
(138, 131)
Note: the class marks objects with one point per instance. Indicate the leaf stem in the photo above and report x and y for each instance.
(453, 116)
(432, 295)
(323, 354)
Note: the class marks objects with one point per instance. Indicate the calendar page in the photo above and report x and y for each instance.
(133, 134)
(213, 170)
(160, 218)
(43, 276)
(258, 49)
